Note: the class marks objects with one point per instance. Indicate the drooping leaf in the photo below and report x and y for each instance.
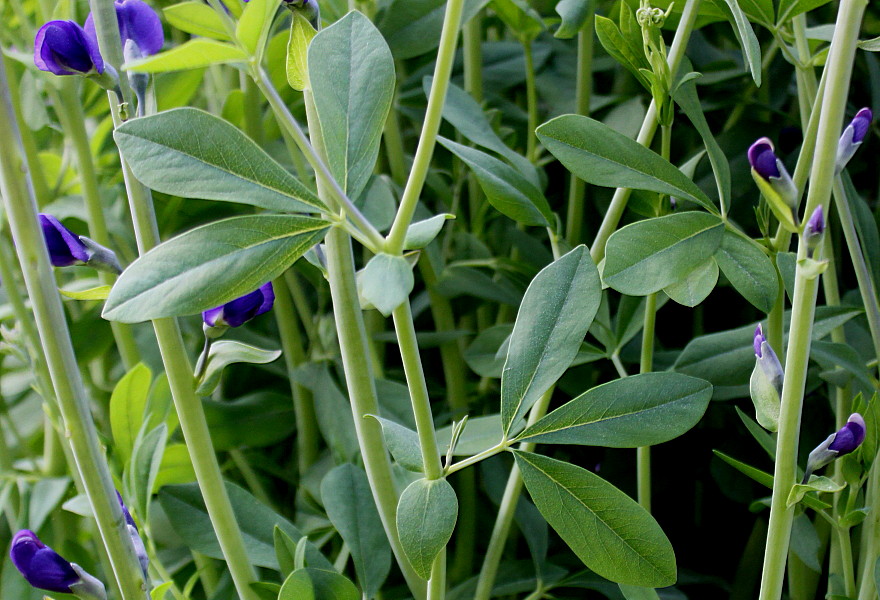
(227, 352)
(606, 529)
(403, 444)
(426, 515)
(210, 265)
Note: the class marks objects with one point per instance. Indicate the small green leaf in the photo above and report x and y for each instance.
(641, 410)
(127, 404)
(196, 18)
(633, 592)
(616, 45)
(422, 233)
(190, 153)
(426, 515)
(146, 461)
(317, 584)
(96, 293)
(301, 34)
(574, 14)
(696, 286)
(226, 352)
(412, 27)
(815, 484)
(749, 270)
(200, 52)
(509, 192)
(555, 314)
(349, 503)
(403, 444)
(792, 8)
(253, 25)
(176, 467)
(646, 256)
(748, 41)
(285, 551)
(210, 265)
(386, 282)
(606, 529)
(521, 18)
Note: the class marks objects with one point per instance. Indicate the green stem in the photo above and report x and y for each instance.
(839, 69)
(75, 407)
(253, 111)
(531, 103)
(437, 583)
(583, 90)
(473, 84)
(38, 178)
(646, 133)
(506, 511)
(646, 365)
(846, 559)
(394, 148)
(303, 403)
(428, 138)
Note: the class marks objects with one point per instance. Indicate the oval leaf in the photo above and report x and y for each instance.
(127, 405)
(317, 584)
(606, 529)
(210, 265)
(385, 283)
(645, 257)
(426, 515)
(555, 314)
(749, 270)
(642, 410)
(226, 352)
(696, 286)
(599, 155)
(197, 18)
(188, 152)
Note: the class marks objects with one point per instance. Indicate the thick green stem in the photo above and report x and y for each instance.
(646, 133)
(574, 222)
(428, 138)
(21, 210)
(839, 69)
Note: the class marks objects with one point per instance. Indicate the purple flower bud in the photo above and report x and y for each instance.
(763, 159)
(65, 247)
(241, 310)
(138, 23)
(765, 384)
(64, 48)
(815, 229)
(41, 566)
(135, 536)
(850, 437)
(759, 339)
(852, 137)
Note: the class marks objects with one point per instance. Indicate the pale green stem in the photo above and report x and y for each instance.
(21, 210)
(394, 148)
(428, 138)
(839, 69)
(473, 84)
(643, 454)
(251, 478)
(846, 559)
(871, 530)
(506, 511)
(303, 404)
(531, 103)
(646, 133)
(437, 583)
(574, 221)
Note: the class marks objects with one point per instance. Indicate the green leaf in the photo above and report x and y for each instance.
(176, 467)
(749, 270)
(412, 27)
(285, 552)
(196, 18)
(422, 233)
(146, 460)
(574, 14)
(190, 153)
(641, 410)
(351, 71)
(96, 293)
(210, 265)
(792, 8)
(253, 25)
(188, 516)
(617, 46)
(606, 529)
(520, 18)
(349, 503)
(226, 352)
(45, 496)
(748, 41)
(127, 404)
(301, 35)
(509, 192)
(200, 52)
(403, 444)
(633, 592)
(815, 484)
(766, 479)
(601, 156)
(646, 256)
(426, 515)
(696, 286)
(487, 353)
(259, 419)
(555, 314)
(385, 283)
(317, 584)
(480, 433)
(759, 11)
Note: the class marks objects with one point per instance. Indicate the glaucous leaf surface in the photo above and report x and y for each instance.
(412, 27)
(745, 35)
(351, 72)
(210, 265)
(749, 270)
(426, 515)
(403, 444)
(696, 286)
(606, 529)
(646, 256)
(422, 233)
(574, 14)
(317, 584)
(385, 283)
(555, 314)
(190, 153)
(227, 352)
(599, 155)
(349, 503)
(640, 410)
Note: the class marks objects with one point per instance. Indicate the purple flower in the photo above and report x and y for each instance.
(763, 159)
(846, 440)
(41, 566)
(241, 310)
(64, 48)
(65, 247)
(815, 229)
(765, 384)
(774, 182)
(852, 137)
(139, 28)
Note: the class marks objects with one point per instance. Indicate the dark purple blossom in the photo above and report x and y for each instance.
(861, 123)
(64, 48)
(241, 310)
(65, 247)
(816, 224)
(139, 24)
(763, 159)
(852, 137)
(845, 441)
(41, 566)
